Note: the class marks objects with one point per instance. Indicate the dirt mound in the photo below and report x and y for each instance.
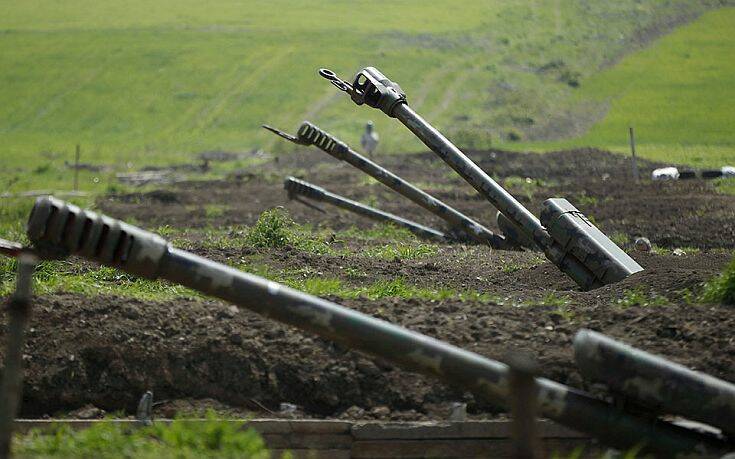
(670, 214)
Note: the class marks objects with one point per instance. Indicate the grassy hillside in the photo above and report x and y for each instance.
(145, 83)
(677, 93)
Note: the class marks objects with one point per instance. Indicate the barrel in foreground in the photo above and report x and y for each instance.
(657, 384)
(57, 229)
(567, 238)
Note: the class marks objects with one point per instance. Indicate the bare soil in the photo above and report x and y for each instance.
(107, 350)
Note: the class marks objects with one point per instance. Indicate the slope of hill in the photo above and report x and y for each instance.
(678, 94)
(155, 82)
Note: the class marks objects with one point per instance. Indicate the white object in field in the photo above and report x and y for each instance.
(642, 244)
(665, 173)
(728, 171)
(369, 140)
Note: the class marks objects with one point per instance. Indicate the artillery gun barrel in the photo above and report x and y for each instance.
(310, 134)
(654, 382)
(59, 229)
(569, 240)
(295, 186)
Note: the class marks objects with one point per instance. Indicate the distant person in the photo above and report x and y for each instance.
(369, 139)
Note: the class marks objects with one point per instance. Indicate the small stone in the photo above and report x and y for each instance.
(236, 338)
(88, 412)
(229, 312)
(678, 253)
(287, 408)
(642, 244)
(380, 411)
(353, 412)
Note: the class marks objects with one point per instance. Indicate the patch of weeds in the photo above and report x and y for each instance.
(620, 239)
(668, 251)
(526, 186)
(214, 210)
(725, 185)
(354, 273)
(721, 289)
(380, 231)
(371, 201)
(74, 277)
(179, 439)
(552, 299)
(401, 251)
(586, 200)
(366, 180)
(275, 229)
(640, 297)
(396, 288)
(399, 288)
(510, 268)
(559, 302)
(320, 286)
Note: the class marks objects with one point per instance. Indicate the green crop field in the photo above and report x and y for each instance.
(678, 94)
(145, 83)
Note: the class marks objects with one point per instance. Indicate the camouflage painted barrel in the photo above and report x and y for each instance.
(654, 382)
(59, 229)
(295, 186)
(310, 134)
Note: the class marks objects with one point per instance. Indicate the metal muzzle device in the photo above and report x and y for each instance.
(564, 234)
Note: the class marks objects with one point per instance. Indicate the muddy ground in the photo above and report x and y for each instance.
(193, 353)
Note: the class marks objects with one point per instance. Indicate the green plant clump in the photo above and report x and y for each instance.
(721, 289)
(179, 439)
(273, 229)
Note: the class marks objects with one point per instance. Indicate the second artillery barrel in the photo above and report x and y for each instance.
(654, 382)
(309, 133)
(295, 186)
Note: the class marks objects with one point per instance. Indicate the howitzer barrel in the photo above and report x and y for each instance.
(308, 133)
(295, 186)
(59, 228)
(654, 382)
(567, 238)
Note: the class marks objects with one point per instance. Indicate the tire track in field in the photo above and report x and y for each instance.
(241, 85)
(434, 78)
(191, 114)
(54, 102)
(451, 92)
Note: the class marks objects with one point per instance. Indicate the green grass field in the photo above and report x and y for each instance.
(678, 94)
(156, 82)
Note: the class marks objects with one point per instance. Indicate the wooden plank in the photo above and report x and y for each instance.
(452, 430)
(318, 426)
(303, 441)
(311, 453)
(377, 449)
